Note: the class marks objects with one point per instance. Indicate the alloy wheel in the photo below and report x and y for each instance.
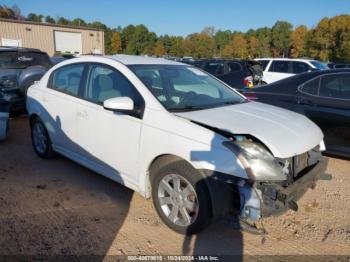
(178, 200)
(39, 138)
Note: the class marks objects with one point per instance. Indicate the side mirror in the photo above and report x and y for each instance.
(119, 104)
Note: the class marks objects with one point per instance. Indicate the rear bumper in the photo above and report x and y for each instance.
(12, 102)
(4, 106)
(271, 199)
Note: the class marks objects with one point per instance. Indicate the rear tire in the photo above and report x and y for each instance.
(40, 139)
(181, 198)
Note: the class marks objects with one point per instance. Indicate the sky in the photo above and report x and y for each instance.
(182, 17)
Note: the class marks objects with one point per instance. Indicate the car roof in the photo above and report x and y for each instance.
(23, 49)
(142, 60)
(222, 60)
(285, 59)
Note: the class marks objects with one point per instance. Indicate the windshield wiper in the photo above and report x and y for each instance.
(186, 108)
(232, 102)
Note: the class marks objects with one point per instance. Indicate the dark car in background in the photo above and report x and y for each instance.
(237, 73)
(338, 65)
(19, 69)
(323, 96)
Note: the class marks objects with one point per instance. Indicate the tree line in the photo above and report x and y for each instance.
(329, 40)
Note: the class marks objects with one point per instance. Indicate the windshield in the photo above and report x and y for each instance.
(20, 60)
(185, 88)
(319, 65)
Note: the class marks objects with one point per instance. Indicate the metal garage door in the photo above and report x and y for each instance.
(11, 42)
(68, 42)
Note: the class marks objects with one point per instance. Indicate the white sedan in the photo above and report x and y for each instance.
(174, 133)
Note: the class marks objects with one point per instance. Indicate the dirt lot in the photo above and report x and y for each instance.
(58, 207)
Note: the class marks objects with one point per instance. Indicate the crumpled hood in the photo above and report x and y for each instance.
(284, 132)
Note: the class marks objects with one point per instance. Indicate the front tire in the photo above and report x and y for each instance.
(40, 139)
(181, 198)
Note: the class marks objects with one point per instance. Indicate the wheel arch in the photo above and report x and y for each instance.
(32, 117)
(217, 193)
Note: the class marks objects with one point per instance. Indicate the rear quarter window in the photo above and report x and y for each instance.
(300, 67)
(335, 86)
(311, 87)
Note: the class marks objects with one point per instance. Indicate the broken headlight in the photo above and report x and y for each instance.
(258, 162)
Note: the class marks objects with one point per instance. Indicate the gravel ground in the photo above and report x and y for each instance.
(58, 207)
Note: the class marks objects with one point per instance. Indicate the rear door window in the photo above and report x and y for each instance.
(67, 79)
(335, 86)
(234, 67)
(279, 67)
(214, 68)
(264, 63)
(299, 67)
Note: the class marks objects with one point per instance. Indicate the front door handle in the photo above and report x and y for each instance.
(306, 101)
(82, 114)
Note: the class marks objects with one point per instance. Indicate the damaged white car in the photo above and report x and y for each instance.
(174, 133)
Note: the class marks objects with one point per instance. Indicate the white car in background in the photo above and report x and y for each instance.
(279, 68)
(174, 133)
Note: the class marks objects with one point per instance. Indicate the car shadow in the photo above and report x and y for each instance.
(55, 207)
(214, 240)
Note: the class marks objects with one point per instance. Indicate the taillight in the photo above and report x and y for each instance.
(251, 96)
(248, 82)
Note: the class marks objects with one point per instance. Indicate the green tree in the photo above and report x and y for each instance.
(166, 41)
(34, 17)
(139, 40)
(159, 49)
(281, 32)
(199, 45)
(298, 38)
(264, 36)
(50, 20)
(78, 22)
(340, 35)
(6, 12)
(222, 38)
(253, 47)
(237, 48)
(63, 21)
(126, 35)
(116, 43)
(177, 48)
(320, 41)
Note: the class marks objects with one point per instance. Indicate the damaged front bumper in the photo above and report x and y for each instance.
(264, 199)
